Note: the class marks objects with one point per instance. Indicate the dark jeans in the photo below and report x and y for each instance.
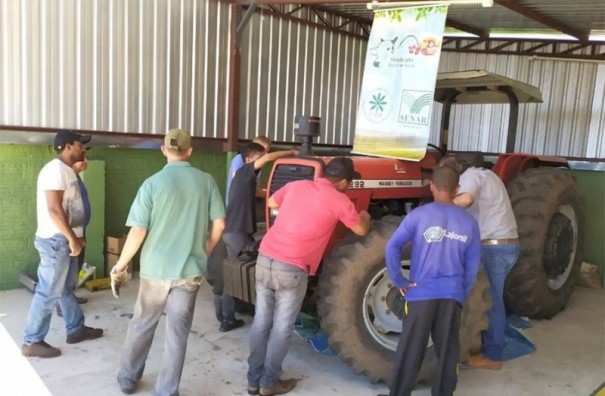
(234, 242)
(214, 274)
(439, 319)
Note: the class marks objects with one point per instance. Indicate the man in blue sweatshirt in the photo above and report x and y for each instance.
(446, 247)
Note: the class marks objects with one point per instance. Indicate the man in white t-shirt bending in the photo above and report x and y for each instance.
(59, 240)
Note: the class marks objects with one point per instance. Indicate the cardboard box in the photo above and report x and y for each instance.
(114, 245)
(111, 260)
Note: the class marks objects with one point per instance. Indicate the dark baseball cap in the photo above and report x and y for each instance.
(341, 168)
(63, 138)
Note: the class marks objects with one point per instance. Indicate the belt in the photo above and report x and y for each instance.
(502, 241)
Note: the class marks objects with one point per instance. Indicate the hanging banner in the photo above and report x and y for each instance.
(396, 100)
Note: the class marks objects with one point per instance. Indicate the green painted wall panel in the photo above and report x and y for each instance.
(125, 170)
(19, 167)
(592, 185)
(94, 180)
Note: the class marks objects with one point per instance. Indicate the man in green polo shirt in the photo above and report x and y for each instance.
(171, 213)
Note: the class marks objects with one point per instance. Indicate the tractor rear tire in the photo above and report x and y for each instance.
(548, 208)
(355, 293)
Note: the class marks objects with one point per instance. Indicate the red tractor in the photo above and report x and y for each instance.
(358, 306)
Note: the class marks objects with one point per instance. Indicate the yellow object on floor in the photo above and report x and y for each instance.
(98, 284)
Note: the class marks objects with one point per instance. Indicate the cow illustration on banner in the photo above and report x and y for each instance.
(396, 100)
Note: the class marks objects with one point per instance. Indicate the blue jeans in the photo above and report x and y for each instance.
(280, 290)
(497, 260)
(177, 299)
(57, 278)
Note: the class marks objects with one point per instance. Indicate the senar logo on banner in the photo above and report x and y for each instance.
(396, 100)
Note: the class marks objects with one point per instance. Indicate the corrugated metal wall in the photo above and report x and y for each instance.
(146, 66)
(570, 122)
(291, 69)
(113, 65)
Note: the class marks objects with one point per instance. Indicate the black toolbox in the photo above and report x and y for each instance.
(239, 277)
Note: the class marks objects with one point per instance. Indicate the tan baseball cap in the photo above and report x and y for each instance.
(177, 139)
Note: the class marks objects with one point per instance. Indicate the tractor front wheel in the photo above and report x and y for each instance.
(361, 310)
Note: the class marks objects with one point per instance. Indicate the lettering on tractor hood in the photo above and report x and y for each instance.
(387, 183)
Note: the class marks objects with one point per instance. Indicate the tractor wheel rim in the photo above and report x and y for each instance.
(379, 317)
(557, 280)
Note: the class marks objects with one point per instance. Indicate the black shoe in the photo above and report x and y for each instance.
(228, 326)
(85, 333)
(59, 311)
(253, 390)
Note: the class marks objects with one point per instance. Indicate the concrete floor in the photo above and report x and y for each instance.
(570, 357)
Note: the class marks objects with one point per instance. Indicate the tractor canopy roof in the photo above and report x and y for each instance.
(482, 87)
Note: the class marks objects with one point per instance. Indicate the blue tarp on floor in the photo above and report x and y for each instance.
(517, 343)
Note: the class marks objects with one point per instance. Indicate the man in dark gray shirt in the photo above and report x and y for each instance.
(241, 217)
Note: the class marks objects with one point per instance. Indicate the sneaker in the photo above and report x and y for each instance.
(282, 387)
(40, 349)
(253, 390)
(481, 362)
(83, 334)
(228, 326)
(81, 300)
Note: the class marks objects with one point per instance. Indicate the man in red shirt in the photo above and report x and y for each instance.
(290, 251)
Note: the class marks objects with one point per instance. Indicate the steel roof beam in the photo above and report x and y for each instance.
(325, 24)
(552, 23)
(524, 47)
(466, 28)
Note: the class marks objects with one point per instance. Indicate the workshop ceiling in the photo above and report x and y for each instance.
(577, 19)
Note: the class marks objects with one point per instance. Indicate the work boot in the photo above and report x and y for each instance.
(228, 326)
(40, 349)
(481, 362)
(83, 334)
(282, 387)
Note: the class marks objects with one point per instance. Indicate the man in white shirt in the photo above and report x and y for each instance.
(484, 195)
(59, 240)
